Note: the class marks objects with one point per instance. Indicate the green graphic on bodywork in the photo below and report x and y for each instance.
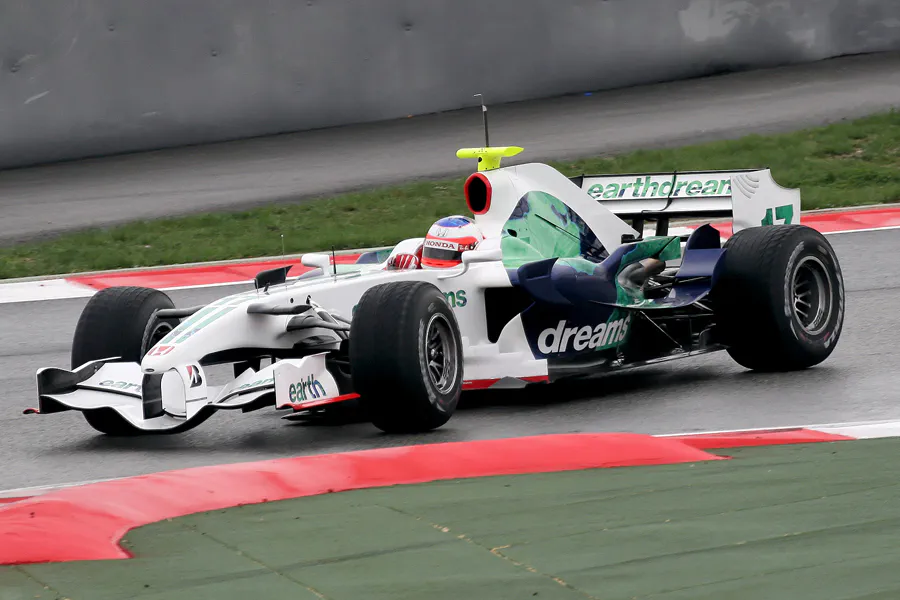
(456, 299)
(621, 320)
(189, 323)
(540, 227)
(664, 248)
(617, 329)
(205, 323)
(199, 320)
(580, 265)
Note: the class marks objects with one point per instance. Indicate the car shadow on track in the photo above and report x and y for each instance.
(645, 383)
(346, 422)
(483, 414)
(642, 382)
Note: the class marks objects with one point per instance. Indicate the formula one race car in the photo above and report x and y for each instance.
(547, 281)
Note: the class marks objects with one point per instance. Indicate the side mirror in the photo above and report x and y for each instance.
(312, 259)
(476, 256)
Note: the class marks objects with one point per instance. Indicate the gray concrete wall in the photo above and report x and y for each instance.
(90, 77)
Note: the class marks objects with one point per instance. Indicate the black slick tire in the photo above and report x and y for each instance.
(408, 380)
(119, 322)
(779, 298)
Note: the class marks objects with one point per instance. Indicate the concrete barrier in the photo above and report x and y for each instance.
(103, 76)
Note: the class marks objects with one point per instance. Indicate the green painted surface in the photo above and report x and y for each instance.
(17, 585)
(817, 521)
(541, 226)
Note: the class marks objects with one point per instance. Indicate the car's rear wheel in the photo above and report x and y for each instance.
(779, 298)
(406, 357)
(119, 322)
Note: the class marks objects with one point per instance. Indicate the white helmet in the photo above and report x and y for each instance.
(447, 239)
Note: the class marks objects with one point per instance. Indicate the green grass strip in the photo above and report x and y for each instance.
(846, 164)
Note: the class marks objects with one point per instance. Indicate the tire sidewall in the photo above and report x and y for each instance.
(753, 298)
(389, 358)
(813, 245)
(116, 323)
(430, 305)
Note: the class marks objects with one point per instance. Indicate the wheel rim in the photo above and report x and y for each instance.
(811, 295)
(440, 353)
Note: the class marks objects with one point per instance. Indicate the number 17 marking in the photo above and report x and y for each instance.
(782, 213)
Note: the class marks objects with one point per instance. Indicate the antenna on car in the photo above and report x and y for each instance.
(282, 247)
(488, 158)
(487, 139)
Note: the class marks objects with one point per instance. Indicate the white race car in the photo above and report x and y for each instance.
(546, 280)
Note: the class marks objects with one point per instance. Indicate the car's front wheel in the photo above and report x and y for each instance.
(119, 322)
(406, 357)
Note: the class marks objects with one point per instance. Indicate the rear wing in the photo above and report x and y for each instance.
(750, 197)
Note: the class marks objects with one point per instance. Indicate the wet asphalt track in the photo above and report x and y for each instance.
(36, 201)
(859, 382)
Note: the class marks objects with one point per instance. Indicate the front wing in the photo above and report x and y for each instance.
(180, 399)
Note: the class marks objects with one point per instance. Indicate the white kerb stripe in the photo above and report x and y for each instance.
(866, 431)
(48, 289)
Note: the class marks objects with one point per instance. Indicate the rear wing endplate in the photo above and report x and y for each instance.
(750, 197)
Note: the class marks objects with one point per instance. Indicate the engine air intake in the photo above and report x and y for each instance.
(478, 193)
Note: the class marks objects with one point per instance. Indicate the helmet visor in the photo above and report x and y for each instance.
(441, 257)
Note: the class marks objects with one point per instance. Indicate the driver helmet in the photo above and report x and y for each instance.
(447, 239)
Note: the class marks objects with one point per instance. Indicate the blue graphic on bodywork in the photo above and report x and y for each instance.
(584, 296)
(542, 226)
